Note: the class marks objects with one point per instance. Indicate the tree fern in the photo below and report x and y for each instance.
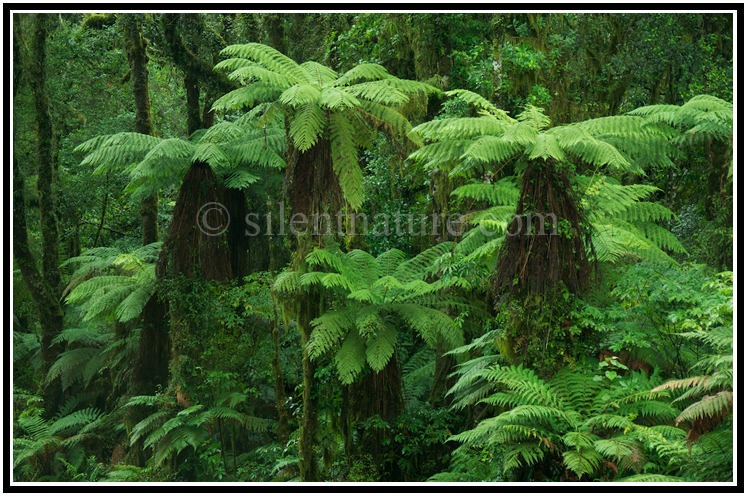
(120, 296)
(622, 220)
(377, 290)
(230, 148)
(316, 100)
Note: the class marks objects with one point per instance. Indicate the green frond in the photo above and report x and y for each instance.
(647, 211)
(213, 155)
(583, 461)
(256, 73)
(469, 379)
(84, 336)
(320, 74)
(651, 409)
(530, 452)
(240, 178)
(335, 98)
(345, 159)
(106, 300)
(616, 448)
(501, 193)
(329, 328)
(301, 94)
(307, 125)
(334, 259)
(546, 147)
(460, 128)
(222, 132)
(661, 237)
(249, 422)
(169, 158)
(112, 158)
(480, 102)
(234, 63)
(78, 419)
(409, 87)
(596, 152)
(133, 304)
(394, 122)
(534, 118)
(389, 261)
(498, 149)
(351, 358)
(69, 366)
(271, 59)
(287, 283)
(247, 96)
(529, 388)
(420, 265)
(418, 374)
(363, 72)
(376, 92)
(380, 347)
(252, 154)
(134, 143)
(368, 263)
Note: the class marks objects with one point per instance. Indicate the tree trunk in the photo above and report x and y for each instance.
(273, 24)
(308, 310)
(138, 58)
(45, 288)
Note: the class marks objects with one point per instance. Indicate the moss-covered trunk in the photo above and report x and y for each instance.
(138, 58)
(45, 287)
(308, 310)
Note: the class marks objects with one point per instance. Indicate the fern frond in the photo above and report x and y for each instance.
(301, 95)
(345, 159)
(271, 59)
(335, 99)
(363, 72)
(716, 407)
(351, 358)
(133, 304)
(374, 91)
(380, 347)
(328, 330)
(248, 96)
(534, 118)
(480, 102)
(583, 461)
(69, 366)
(321, 74)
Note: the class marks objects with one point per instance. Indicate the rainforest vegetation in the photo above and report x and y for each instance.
(372, 247)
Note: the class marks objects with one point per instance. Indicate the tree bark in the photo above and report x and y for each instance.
(45, 287)
(138, 58)
(307, 464)
(273, 24)
(195, 70)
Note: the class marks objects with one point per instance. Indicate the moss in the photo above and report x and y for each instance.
(98, 21)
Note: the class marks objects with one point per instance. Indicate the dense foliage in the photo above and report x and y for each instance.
(373, 247)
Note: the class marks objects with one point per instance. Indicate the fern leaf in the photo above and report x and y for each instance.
(351, 358)
(345, 159)
(379, 348)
